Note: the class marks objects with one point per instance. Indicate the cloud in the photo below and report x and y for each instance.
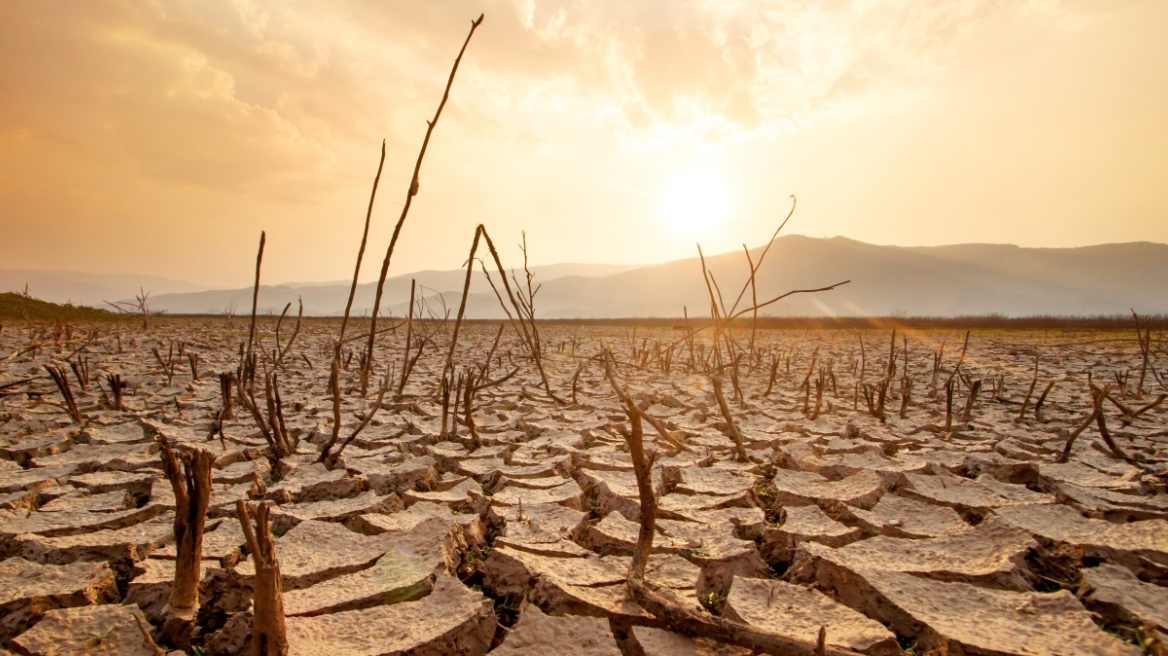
(124, 115)
(234, 94)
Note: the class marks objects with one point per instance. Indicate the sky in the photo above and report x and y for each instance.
(161, 137)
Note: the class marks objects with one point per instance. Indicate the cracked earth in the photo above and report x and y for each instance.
(928, 531)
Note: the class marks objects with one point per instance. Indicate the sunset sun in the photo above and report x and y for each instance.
(696, 203)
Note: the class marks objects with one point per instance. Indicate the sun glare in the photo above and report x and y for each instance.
(696, 203)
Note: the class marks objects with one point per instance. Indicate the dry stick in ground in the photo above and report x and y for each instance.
(1038, 416)
(723, 321)
(80, 368)
(805, 386)
(168, 364)
(409, 339)
(753, 300)
(936, 370)
(1130, 414)
(491, 282)
(334, 385)
(255, 299)
(891, 373)
(225, 382)
(330, 459)
(1029, 392)
(485, 368)
(576, 380)
(469, 392)
(272, 427)
(968, 410)
(360, 252)
(863, 356)
(411, 364)
(961, 359)
(192, 493)
(193, 360)
(525, 308)
(448, 367)
(949, 385)
(1096, 410)
(412, 191)
(657, 424)
(692, 621)
(525, 313)
(140, 305)
(282, 349)
(457, 396)
(819, 383)
(62, 380)
(774, 373)
(688, 338)
(115, 384)
(1101, 422)
(714, 313)
(269, 637)
(444, 394)
(755, 266)
(904, 369)
(875, 397)
(734, 380)
(1145, 340)
(731, 427)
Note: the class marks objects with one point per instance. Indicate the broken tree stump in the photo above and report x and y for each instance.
(192, 493)
(269, 637)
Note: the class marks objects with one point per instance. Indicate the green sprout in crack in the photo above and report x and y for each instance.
(713, 602)
(100, 637)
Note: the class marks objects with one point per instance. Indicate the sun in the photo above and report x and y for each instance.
(696, 202)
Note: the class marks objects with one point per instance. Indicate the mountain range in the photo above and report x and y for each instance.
(964, 279)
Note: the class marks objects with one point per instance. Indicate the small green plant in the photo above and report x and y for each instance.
(713, 602)
(507, 610)
(766, 470)
(100, 638)
(478, 554)
(198, 651)
(279, 531)
(594, 506)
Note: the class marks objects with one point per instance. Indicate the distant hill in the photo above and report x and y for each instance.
(91, 289)
(966, 279)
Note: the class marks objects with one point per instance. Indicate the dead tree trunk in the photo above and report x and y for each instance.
(731, 427)
(192, 494)
(269, 637)
(677, 617)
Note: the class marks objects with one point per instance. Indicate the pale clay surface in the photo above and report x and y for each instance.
(881, 531)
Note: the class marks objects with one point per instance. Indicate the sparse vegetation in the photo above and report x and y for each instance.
(21, 307)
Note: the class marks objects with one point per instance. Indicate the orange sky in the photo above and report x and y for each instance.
(161, 137)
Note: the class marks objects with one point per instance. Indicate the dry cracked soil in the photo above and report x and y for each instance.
(924, 531)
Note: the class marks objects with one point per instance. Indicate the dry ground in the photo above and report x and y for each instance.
(901, 534)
